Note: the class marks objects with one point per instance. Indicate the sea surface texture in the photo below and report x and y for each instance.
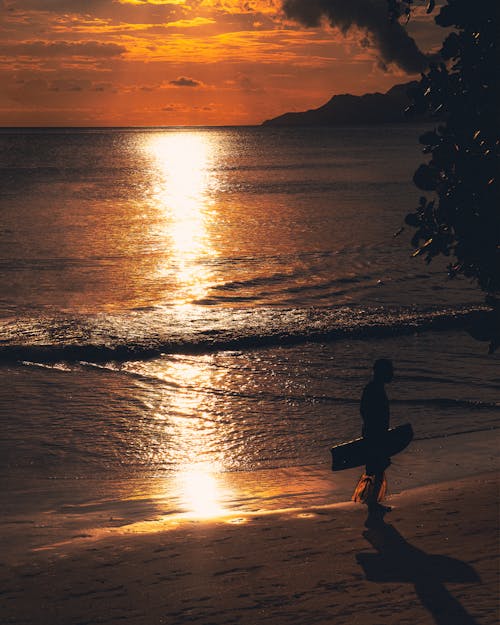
(212, 300)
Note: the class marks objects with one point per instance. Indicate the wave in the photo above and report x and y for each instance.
(148, 375)
(431, 437)
(449, 403)
(148, 333)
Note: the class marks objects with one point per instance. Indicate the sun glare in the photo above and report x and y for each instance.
(181, 187)
(195, 442)
(200, 492)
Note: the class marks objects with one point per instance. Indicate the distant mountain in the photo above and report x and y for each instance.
(342, 110)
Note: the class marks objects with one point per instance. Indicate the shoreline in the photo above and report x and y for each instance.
(434, 560)
(46, 511)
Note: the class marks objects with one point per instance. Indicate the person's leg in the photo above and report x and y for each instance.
(373, 495)
(363, 488)
(377, 492)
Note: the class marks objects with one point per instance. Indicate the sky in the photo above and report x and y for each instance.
(196, 62)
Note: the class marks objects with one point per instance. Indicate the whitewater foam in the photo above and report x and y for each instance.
(147, 333)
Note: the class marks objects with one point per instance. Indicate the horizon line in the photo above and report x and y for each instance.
(41, 127)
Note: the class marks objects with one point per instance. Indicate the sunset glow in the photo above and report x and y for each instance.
(181, 62)
(180, 195)
(201, 493)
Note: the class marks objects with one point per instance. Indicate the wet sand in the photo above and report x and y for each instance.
(434, 560)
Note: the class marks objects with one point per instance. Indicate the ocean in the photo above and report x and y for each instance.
(184, 309)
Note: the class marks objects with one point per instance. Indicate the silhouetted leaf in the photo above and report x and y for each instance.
(462, 219)
(425, 178)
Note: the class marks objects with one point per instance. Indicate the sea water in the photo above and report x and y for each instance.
(209, 301)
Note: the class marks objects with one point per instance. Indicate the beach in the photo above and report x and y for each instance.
(188, 318)
(434, 560)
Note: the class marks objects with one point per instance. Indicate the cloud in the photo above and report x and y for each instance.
(152, 2)
(179, 107)
(193, 23)
(33, 83)
(76, 84)
(113, 11)
(184, 81)
(58, 6)
(69, 85)
(390, 38)
(246, 83)
(48, 49)
(84, 6)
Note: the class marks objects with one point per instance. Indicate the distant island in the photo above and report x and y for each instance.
(345, 109)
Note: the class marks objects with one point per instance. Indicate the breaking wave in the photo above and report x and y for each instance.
(147, 333)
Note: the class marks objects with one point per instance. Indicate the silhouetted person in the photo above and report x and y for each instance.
(374, 410)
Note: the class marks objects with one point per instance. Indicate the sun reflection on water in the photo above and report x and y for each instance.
(181, 192)
(196, 439)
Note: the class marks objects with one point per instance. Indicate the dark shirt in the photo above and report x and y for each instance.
(374, 411)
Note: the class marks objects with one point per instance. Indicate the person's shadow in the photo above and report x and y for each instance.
(399, 562)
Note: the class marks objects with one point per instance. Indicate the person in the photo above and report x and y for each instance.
(374, 408)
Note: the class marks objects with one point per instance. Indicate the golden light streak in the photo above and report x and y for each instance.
(201, 494)
(191, 23)
(153, 2)
(199, 486)
(274, 46)
(180, 191)
(214, 41)
(244, 6)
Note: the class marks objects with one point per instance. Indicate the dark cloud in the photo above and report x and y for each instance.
(180, 108)
(184, 81)
(60, 85)
(48, 49)
(103, 86)
(75, 84)
(247, 83)
(391, 39)
(69, 85)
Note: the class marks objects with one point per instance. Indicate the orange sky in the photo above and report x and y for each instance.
(176, 62)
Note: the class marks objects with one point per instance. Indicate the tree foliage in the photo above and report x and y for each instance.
(461, 219)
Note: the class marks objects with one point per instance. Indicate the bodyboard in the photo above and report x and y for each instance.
(354, 453)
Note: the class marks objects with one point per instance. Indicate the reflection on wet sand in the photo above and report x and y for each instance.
(201, 492)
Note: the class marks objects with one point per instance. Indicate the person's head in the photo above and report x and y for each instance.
(383, 371)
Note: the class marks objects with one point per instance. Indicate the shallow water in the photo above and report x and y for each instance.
(211, 300)
(112, 221)
(236, 410)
